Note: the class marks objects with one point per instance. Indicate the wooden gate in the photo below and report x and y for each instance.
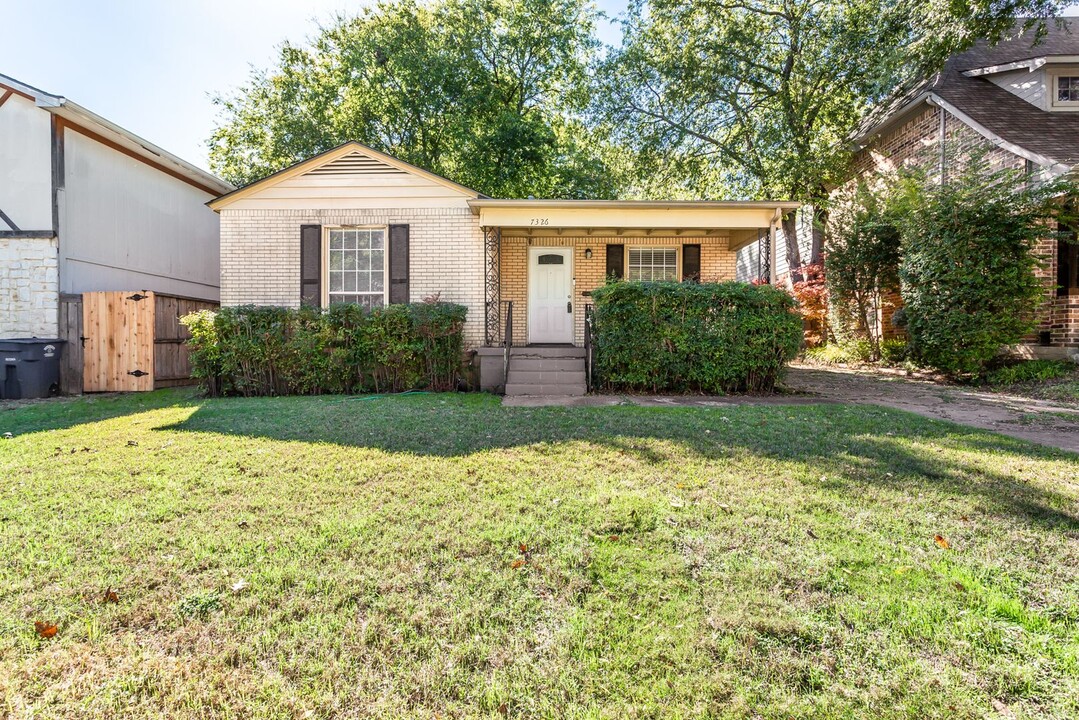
(118, 341)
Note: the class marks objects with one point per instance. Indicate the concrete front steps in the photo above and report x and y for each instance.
(553, 370)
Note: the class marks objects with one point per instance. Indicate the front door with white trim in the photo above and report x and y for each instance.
(550, 295)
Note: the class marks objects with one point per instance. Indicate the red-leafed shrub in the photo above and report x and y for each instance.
(812, 295)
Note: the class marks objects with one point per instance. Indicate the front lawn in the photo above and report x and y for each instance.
(440, 556)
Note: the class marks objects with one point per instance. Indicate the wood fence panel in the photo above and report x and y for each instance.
(118, 355)
(172, 365)
(71, 355)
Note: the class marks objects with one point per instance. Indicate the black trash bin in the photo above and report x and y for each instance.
(29, 368)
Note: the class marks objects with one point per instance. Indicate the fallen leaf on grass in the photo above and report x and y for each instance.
(902, 570)
(940, 541)
(517, 564)
(111, 596)
(612, 538)
(522, 548)
(130, 443)
(239, 586)
(810, 533)
(242, 524)
(503, 709)
(45, 630)
(960, 586)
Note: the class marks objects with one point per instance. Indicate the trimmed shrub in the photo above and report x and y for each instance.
(707, 337)
(345, 349)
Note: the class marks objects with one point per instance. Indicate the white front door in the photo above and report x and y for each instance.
(550, 295)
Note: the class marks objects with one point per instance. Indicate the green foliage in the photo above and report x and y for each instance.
(894, 351)
(1030, 371)
(862, 263)
(199, 605)
(487, 92)
(968, 268)
(347, 348)
(890, 352)
(709, 337)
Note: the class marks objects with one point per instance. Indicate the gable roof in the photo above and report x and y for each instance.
(79, 118)
(350, 158)
(1044, 137)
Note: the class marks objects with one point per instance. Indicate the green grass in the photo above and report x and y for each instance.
(757, 562)
(1053, 380)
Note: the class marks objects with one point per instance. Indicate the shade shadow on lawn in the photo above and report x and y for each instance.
(891, 449)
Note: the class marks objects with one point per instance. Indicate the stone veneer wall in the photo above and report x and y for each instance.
(717, 264)
(260, 255)
(29, 287)
(917, 143)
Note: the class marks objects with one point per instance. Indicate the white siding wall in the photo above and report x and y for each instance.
(1025, 84)
(25, 165)
(125, 225)
(746, 263)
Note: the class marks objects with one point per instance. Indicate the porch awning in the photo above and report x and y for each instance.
(632, 217)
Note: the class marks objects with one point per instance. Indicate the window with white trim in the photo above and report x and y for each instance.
(356, 267)
(1066, 90)
(652, 264)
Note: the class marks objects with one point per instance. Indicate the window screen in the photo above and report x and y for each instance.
(651, 264)
(357, 267)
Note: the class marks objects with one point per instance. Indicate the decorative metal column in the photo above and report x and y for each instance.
(764, 256)
(492, 284)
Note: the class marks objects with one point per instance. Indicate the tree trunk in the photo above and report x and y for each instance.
(794, 255)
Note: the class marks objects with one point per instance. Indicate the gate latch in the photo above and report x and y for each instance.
(137, 296)
(138, 373)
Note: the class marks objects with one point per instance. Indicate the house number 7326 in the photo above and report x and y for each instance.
(540, 221)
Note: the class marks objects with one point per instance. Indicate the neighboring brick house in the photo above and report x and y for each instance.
(86, 205)
(356, 225)
(1017, 101)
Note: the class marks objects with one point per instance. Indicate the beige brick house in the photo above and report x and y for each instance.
(1017, 101)
(357, 225)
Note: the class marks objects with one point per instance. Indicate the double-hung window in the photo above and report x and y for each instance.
(1065, 90)
(652, 264)
(356, 266)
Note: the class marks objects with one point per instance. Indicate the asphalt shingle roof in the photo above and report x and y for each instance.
(1054, 135)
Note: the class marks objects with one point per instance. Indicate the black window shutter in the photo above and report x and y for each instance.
(616, 261)
(691, 263)
(311, 265)
(399, 264)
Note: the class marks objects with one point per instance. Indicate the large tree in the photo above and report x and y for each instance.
(488, 92)
(758, 97)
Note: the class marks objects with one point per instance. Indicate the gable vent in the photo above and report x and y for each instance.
(355, 164)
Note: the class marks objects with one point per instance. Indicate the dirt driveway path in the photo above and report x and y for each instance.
(1039, 421)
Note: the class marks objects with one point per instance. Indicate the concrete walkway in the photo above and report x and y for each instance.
(1039, 421)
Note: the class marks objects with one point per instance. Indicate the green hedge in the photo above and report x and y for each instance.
(706, 337)
(345, 349)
